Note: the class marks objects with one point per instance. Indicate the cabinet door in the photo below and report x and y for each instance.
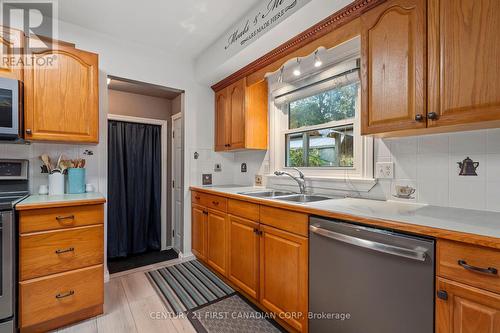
(236, 95)
(11, 53)
(464, 61)
(393, 67)
(222, 121)
(243, 247)
(467, 309)
(283, 274)
(198, 232)
(217, 241)
(61, 101)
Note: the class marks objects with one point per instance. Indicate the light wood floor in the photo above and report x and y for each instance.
(129, 302)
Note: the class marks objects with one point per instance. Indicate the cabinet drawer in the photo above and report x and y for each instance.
(209, 201)
(196, 198)
(461, 262)
(294, 222)
(60, 218)
(243, 209)
(59, 251)
(54, 296)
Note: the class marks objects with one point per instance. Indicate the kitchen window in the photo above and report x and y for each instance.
(321, 128)
(315, 123)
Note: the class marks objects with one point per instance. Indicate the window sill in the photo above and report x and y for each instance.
(319, 183)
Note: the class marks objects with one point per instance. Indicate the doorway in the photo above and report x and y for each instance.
(140, 213)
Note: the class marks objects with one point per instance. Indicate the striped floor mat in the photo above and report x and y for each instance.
(187, 286)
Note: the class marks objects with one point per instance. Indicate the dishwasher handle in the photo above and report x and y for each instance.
(415, 254)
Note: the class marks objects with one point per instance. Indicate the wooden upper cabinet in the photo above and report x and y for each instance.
(393, 67)
(241, 116)
(11, 53)
(222, 120)
(461, 308)
(61, 95)
(464, 61)
(236, 94)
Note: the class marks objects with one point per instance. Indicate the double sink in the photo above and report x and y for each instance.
(286, 196)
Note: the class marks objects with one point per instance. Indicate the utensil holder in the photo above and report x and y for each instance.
(76, 180)
(56, 183)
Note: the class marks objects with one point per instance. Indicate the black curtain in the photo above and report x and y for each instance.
(134, 188)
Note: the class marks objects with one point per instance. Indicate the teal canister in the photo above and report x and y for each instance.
(76, 180)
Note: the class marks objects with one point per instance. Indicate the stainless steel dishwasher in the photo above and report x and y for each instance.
(367, 280)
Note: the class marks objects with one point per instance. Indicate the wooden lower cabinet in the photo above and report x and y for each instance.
(217, 240)
(61, 273)
(266, 263)
(243, 247)
(198, 231)
(284, 275)
(466, 309)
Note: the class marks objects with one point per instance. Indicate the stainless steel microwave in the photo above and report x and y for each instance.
(11, 109)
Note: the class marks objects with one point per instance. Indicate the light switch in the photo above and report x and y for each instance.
(384, 170)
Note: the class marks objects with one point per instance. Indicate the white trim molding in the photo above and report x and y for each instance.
(164, 162)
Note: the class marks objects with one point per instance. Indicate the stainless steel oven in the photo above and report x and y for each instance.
(7, 286)
(11, 113)
(13, 188)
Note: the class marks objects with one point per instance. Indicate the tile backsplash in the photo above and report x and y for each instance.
(33, 151)
(429, 163)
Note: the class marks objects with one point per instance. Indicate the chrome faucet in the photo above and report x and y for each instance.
(300, 179)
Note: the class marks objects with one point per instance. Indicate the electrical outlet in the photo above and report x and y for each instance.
(258, 180)
(385, 170)
(218, 167)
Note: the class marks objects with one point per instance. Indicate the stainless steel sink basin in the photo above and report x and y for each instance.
(303, 198)
(267, 193)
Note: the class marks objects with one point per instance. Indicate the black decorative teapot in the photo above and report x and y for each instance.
(468, 167)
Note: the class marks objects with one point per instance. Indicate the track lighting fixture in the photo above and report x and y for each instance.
(317, 60)
(297, 71)
(280, 77)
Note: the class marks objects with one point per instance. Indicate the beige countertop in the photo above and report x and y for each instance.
(418, 218)
(44, 201)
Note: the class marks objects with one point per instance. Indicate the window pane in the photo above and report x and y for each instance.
(295, 150)
(336, 104)
(331, 147)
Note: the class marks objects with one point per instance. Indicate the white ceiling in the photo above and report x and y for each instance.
(184, 27)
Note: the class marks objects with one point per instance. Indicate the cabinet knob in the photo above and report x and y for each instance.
(419, 117)
(442, 294)
(432, 115)
(28, 131)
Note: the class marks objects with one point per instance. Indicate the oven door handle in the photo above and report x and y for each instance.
(415, 254)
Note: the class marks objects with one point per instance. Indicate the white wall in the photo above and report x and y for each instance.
(213, 64)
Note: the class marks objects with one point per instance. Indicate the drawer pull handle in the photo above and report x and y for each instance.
(63, 218)
(197, 198)
(66, 294)
(70, 249)
(216, 203)
(489, 270)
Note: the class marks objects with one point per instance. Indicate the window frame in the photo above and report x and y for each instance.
(362, 151)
